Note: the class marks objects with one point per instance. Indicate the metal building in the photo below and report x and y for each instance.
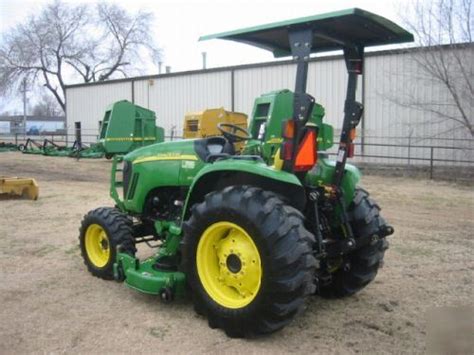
(390, 126)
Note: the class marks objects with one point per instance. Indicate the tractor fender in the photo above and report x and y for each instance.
(230, 172)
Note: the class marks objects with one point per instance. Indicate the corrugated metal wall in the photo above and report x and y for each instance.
(87, 104)
(393, 82)
(172, 97)
(389, 78)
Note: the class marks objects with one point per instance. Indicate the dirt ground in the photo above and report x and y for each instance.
(49, 302)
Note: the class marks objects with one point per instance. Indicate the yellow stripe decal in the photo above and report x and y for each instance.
(129, 139)
(274, 140)
(165, 157)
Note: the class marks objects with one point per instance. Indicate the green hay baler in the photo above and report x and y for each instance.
(126, 127)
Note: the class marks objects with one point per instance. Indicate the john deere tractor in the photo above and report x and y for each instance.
(250, 235)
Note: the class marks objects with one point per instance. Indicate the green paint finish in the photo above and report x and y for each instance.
(33, 151)
(173, 237)
(247, 166)
(325, 136)
(176, 163)
(354, 26)
(323, 173)
(126, 126)
(53, 151)
(115, 185)
(162, 165)
(325, 131)
(142, 276)
(170, 148)
(95, 151)
(269, 112)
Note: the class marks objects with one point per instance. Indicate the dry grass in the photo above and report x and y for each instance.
(49, 303)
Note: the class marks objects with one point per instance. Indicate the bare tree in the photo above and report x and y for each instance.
(444, 30)
(64, 43)
(47, 106)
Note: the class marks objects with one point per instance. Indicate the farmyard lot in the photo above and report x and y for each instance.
(50, 303)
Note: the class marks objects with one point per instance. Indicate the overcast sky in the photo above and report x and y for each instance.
(180, 23)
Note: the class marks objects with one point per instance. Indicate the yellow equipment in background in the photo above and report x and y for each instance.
(204, 124)
(15, 187)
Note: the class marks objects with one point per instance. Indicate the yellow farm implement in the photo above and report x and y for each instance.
(16, 187)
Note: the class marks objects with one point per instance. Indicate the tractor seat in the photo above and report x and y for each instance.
(206, 148)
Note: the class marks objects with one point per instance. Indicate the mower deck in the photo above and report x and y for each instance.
(145, 277)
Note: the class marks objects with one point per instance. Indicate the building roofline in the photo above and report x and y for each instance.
(263, 65)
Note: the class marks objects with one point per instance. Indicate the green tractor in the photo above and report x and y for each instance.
(250, 235)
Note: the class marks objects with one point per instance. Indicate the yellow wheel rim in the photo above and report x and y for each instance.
(97, 245)
(228, 265)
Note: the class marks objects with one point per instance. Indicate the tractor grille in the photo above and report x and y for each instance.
(127, 171)
(133, 186)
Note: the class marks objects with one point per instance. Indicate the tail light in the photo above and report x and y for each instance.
(286, 151)
(352, 134)
(288, 129)
(351, 146)
(288, 132)
(350, 150)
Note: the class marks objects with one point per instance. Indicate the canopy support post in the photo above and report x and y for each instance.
(353, 57)
(300, 44)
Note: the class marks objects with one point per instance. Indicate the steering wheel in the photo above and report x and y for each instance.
(229, 131)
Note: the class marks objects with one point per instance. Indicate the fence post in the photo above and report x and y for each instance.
(409, 148)
(172, 132)
(78, 133)
(431, 162)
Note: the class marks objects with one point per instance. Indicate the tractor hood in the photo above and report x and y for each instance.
(331, 31)
(176, 150)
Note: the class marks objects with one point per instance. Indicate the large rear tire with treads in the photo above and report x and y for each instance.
(248, 260)
(361, 266)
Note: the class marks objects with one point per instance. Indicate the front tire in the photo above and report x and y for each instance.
(248, 260)
(361, 266)
(102, 231)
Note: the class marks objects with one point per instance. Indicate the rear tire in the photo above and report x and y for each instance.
(102, 231)
(360, 267)
(282, 246)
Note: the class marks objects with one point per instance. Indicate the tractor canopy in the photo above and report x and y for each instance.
(350, 30)
(331, 31)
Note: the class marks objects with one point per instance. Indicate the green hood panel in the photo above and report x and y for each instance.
(162, 150)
